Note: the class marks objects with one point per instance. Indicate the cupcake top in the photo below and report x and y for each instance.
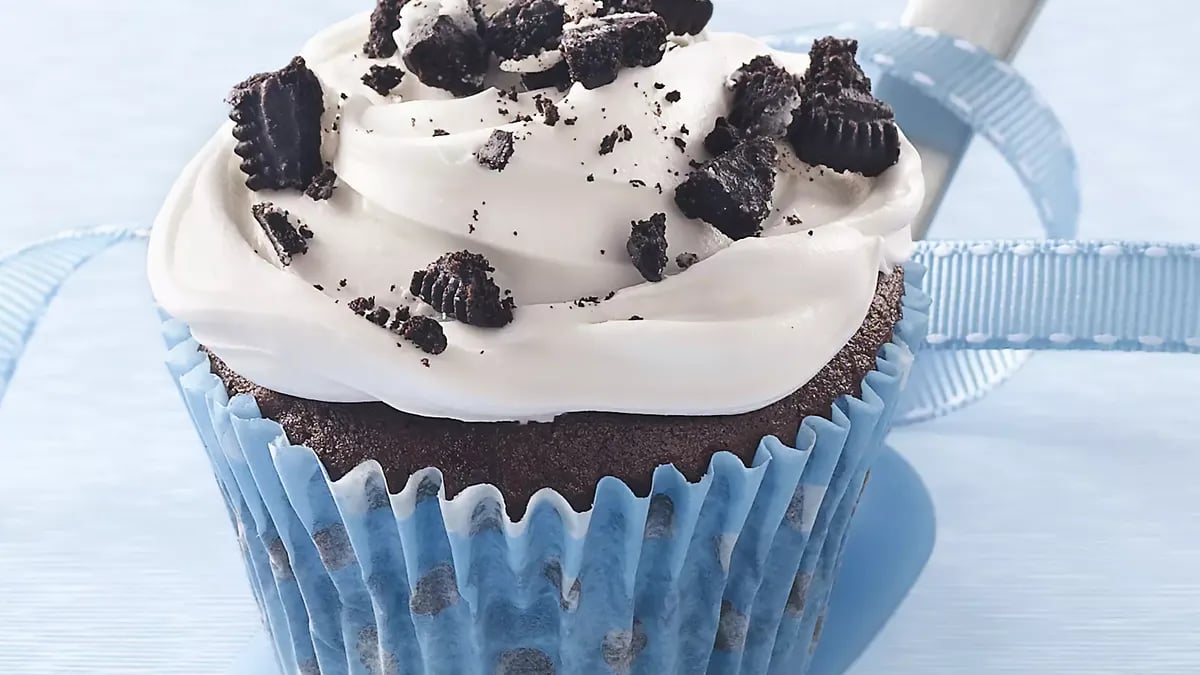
(518, 209)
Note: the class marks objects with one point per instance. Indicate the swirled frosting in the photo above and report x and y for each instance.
(746, 325)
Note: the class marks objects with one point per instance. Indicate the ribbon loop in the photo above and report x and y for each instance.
(31, 277)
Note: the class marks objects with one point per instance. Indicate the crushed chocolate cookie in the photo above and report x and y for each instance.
(839, 123)
(679, 143)
(284, 237)
(608, 143)
(459, 284)
(444, 53)
(570, 121)
(401, 315)
(597, 48)
(385, 20)
(833, 66)
(764, 96)
(793, 220)
(322, 185)
(732, 192)
(685, 260)
(525, 28)
(305, 232)
(723, 137)
(637, 183)
(440, 132)
(379, 316)
(635, 317)
(497, 151)
(383, 79)
(361, 306)
(673, 96)
(548, 110)
(647, 246)
(425, 333)
(342, 283)
(278, 126)
(621, 134)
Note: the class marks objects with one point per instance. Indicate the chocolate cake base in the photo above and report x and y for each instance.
(572, 453)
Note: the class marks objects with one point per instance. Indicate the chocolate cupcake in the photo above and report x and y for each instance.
(477, 344)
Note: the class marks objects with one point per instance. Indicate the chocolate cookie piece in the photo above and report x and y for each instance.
(684, 17)
(548, 109)
(278, 126)
(322, 185)
(833, 66)
(847, 131)
(383, 79)
(381, 44)
(596, 49)
(572, 453)
(448, 52)
(496, 152)
(723, 138)
(525, 28)
(361, 306)
(732, 192)
(459, 284)
(284, 237)
(647, 246)
(764, 96)
(425, 333)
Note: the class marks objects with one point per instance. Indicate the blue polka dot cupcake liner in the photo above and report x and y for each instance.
(730, 574)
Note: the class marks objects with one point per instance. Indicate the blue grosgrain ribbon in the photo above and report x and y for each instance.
(992, 300)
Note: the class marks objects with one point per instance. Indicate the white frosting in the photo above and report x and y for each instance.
(747, 325)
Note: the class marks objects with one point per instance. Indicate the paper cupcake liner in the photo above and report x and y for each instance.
(730, 574)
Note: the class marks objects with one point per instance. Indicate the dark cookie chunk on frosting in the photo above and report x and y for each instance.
(684, 17)
(278, 126)
(839, 123)
(383, 79)
(525, 28)
(448, 52)
(832, 65)
(647, 246)
(381, 44)
(723, 138)
(596, 48)
(548, 109)
(764, 96)
(685, 260)
(322, 185)
(850, 131)
(425, 333)
(496, 152)
(379, 316)
(459, 284)
(732, 192)
(361, 306)
(284, 237)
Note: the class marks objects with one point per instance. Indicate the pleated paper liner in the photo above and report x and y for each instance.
(730, 574)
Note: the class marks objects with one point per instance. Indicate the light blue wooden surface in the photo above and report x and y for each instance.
(1067, 543)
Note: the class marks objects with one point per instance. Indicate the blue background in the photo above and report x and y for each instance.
(1067, 503)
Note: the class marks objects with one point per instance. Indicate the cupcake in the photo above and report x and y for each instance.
(543, 337)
